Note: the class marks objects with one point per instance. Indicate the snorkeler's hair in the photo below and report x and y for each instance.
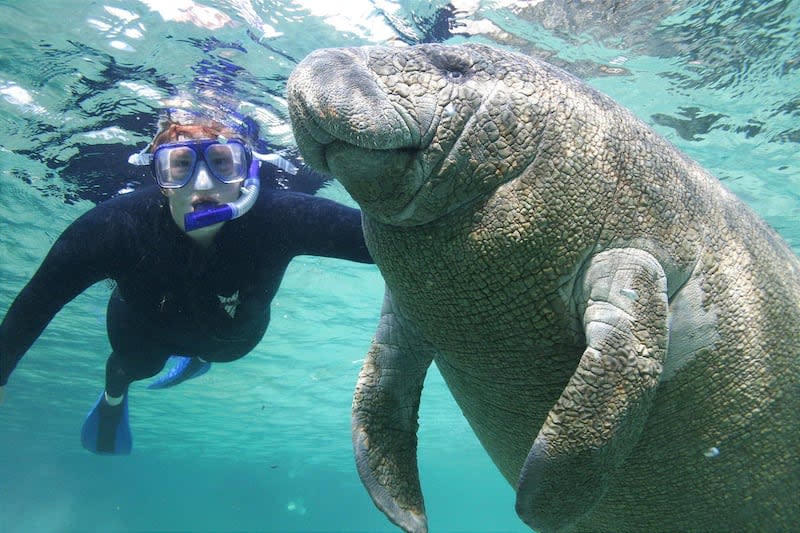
(173, 124)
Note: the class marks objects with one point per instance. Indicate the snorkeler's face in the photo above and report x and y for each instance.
(203, 191)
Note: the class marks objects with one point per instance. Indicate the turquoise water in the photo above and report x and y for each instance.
(263, 444)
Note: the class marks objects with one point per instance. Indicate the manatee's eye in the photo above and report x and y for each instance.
(456, 71)
(453, 66)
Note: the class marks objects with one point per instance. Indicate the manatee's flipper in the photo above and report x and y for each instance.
(384, 420)
(599, 417)
(184, 368)
(106, 430)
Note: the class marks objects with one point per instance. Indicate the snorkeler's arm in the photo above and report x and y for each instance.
(326, 228)
(81, 256)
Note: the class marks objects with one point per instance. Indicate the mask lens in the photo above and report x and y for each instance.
(226, 161)
(174, 166)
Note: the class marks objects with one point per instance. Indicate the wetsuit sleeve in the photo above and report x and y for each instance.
(326, 228)
(80, 257)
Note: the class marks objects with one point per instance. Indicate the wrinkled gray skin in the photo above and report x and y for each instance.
(620, 331)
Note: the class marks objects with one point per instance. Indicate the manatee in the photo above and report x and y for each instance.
(620, 331)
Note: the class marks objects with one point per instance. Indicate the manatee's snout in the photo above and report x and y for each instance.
(335, 90)
(334, 97)
(346, 124)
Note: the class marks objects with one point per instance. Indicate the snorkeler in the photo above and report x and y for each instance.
(196, 260)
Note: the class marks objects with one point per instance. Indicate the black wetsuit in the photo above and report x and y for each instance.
(173, 296)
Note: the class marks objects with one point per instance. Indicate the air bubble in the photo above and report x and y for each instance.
(711, 452)
(297, 507)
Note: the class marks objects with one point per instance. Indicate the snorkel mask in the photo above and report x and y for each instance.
(228, 160)
(174, 164)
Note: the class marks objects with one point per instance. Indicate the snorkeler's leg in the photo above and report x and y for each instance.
(138, 354)
(140, 347)
(106, 429)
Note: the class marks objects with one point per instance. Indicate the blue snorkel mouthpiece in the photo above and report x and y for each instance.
(229, 211)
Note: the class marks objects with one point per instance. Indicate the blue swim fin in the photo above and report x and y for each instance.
(185, 368)
(106, 430)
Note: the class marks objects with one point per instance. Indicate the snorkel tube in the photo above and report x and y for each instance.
(229, 211)
(250, 188)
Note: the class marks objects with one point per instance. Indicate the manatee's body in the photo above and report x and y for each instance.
(620, 331)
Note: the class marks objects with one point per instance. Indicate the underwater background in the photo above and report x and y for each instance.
(263, 444)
